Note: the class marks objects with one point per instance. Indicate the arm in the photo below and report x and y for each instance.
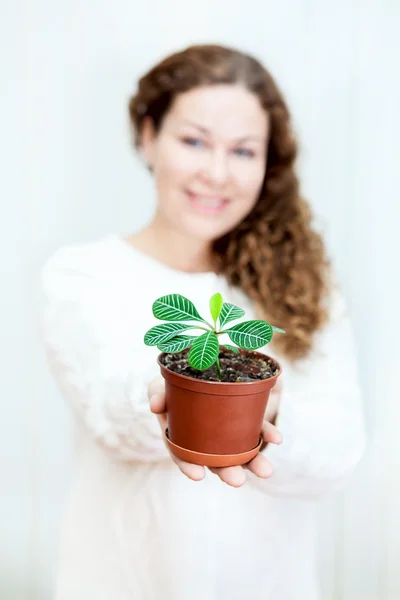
(98, 359)
(320, 417)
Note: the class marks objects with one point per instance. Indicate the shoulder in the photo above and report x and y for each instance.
(86, 258)
(100, 278)
(80, 269)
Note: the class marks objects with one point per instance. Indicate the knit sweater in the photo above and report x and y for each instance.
(135, 528)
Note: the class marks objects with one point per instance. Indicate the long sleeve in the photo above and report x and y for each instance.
(93, 343)
(320, 416)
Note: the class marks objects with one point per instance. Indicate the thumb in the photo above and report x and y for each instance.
(157, 404)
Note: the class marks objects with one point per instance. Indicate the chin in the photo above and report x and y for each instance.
(208, 230)
(206, 233)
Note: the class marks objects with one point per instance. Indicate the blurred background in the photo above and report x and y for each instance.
(69, 174)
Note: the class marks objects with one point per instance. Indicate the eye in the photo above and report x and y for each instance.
(190, 141)
(244, 152)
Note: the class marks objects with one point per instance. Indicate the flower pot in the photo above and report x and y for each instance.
(214, 423)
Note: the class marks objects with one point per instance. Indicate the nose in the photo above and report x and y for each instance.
(217, 169)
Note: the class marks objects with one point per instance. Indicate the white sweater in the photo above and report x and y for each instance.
(135, 528)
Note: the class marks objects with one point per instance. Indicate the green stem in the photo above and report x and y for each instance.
(218, 369)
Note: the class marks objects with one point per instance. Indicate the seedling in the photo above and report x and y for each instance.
(179, 312)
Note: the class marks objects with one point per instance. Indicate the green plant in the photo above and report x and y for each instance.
(204, 349)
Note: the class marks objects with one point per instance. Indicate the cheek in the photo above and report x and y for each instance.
(174, 164)
(249, 179)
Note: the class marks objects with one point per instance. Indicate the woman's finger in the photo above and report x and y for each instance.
(162, 419)
(194, 472)
(233, 476)
(157, 403)
(271, 434)
(260, 466)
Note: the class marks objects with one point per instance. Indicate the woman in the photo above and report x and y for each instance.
(215, 132)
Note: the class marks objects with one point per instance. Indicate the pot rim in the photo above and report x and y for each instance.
(222, 386)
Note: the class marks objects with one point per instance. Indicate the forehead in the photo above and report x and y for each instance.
(227, 110)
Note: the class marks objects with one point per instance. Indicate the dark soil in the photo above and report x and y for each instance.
(235, 368)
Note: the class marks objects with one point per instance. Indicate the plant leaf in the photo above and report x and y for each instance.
(251, 335)
(229, 312)
(278, 330)
(162, 333)
(204, 352)
(177, 344)
(232, 348)
(175, 307)
(216, 303)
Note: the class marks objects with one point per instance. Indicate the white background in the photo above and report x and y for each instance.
(68, 173)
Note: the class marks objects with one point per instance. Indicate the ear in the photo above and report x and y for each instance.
(147, 141)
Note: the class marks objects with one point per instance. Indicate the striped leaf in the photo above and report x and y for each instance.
(229, 312)
(278, 330)
(162, 333)
(231, 348)
(216, 303)
(251, 335)
(204, 352)
(177, 344)
(175, 307)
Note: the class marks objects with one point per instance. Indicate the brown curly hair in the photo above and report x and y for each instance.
(274, 254)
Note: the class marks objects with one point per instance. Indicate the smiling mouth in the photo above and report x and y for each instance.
(207, 203)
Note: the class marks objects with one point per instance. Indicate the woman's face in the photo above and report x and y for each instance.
(208, 159)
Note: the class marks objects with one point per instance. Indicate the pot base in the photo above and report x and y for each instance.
(212, 460)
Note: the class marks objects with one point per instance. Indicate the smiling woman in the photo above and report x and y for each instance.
(230, 222)
(213, 166)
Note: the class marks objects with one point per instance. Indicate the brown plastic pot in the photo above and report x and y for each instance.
(214, 423)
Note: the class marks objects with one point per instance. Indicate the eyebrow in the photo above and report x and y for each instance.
(206, 131)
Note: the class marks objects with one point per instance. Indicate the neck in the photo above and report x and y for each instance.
(174, 248)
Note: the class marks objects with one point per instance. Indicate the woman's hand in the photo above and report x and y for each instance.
(234, 476)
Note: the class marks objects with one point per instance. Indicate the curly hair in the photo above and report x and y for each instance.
(274, 255)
